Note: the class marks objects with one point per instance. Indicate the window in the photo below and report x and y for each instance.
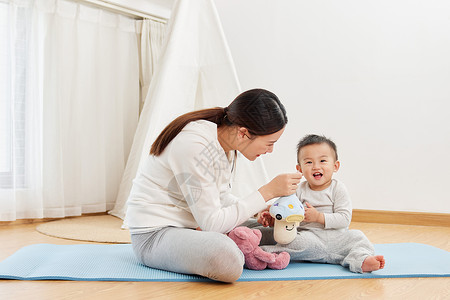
(12, 97)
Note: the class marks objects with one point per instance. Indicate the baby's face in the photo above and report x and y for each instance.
(317, 163)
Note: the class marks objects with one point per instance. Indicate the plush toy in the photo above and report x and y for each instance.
(288, 212)
(255, 258)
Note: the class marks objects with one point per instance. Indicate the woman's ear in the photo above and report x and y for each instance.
(242, 132)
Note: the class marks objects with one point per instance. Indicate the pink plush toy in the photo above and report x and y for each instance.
(256, 258)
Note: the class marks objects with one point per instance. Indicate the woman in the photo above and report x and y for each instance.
(185, 185)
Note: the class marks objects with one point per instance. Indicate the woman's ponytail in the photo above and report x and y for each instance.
(216, 115)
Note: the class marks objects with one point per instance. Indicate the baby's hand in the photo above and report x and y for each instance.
(265, 219)
(312, 215)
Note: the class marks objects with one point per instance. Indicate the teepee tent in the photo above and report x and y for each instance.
(195, 71)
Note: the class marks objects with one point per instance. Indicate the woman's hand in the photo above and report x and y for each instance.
(282, 185)
(265, 219)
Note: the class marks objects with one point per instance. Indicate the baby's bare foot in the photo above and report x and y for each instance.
(373, 263)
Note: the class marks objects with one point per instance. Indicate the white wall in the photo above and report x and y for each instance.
(372, 75)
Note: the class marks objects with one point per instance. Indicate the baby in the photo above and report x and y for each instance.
(323, 236)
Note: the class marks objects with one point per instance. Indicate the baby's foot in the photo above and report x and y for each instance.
(373, 263)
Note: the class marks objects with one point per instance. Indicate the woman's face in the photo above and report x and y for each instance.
(254, 146)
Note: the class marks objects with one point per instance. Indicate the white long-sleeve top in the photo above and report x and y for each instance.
(189, 185)
(334, 202)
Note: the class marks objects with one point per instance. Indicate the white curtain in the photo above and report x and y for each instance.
(69, 107)
(195, 71)
(152, 36)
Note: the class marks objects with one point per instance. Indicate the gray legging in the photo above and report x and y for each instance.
(183, 250)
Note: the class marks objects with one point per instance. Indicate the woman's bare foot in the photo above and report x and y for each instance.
(373, 263)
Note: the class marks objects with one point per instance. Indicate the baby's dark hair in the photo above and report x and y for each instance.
(312, 139)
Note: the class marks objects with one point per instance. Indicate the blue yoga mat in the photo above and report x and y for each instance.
(96, 262)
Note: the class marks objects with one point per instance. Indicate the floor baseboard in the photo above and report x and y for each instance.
(359, 215)
(401, 217)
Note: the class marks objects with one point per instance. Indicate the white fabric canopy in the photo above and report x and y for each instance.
(195, 71)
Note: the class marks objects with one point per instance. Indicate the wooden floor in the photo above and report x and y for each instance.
(13, 237)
